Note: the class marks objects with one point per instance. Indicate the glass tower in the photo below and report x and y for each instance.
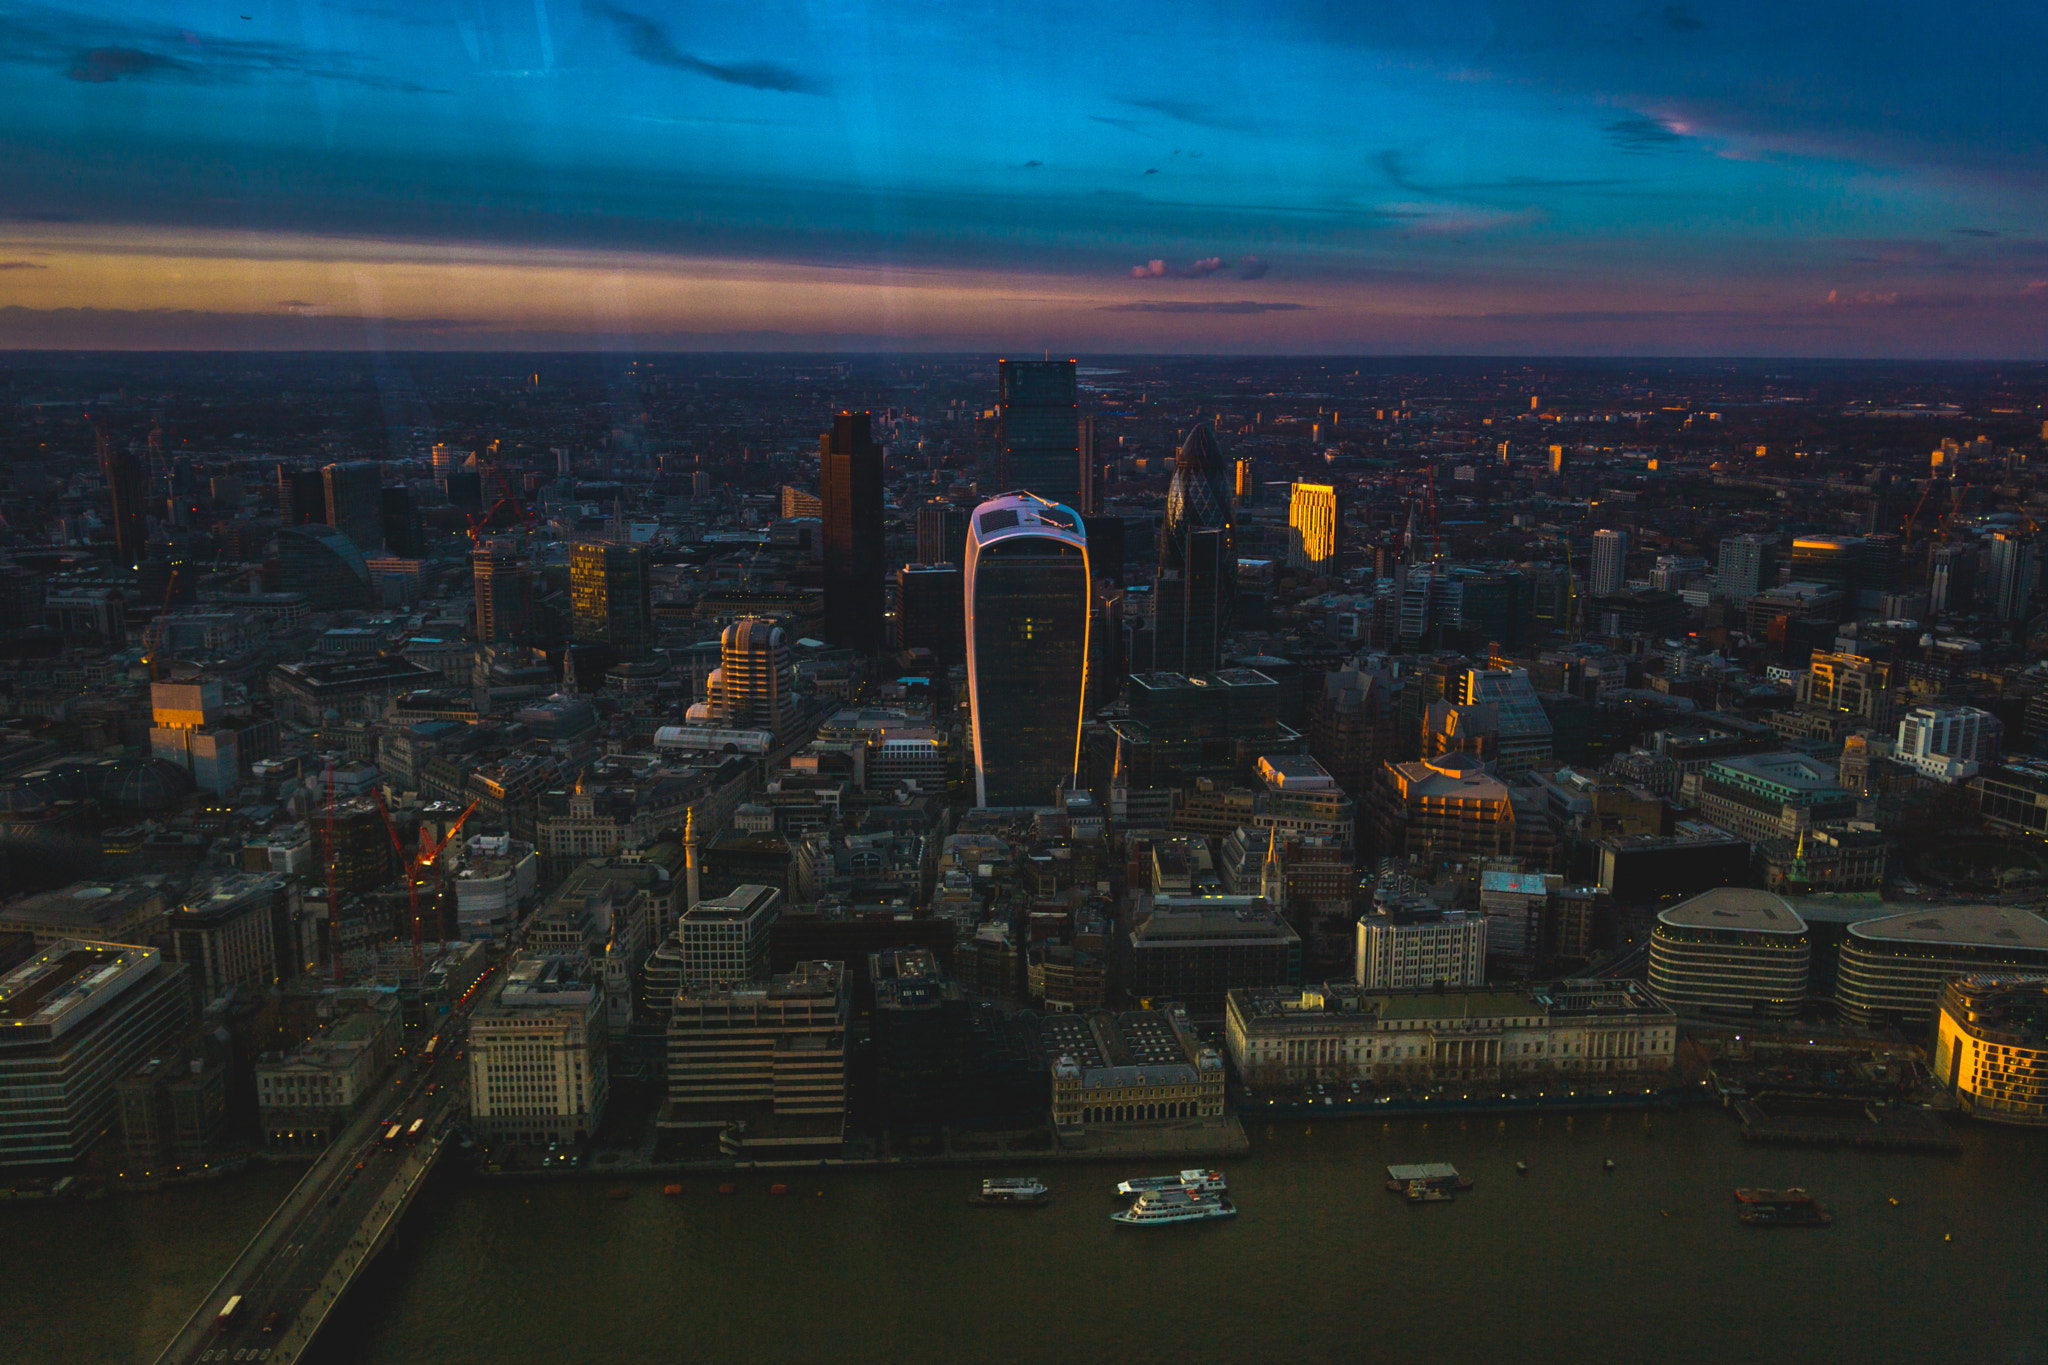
(611, 596)
(1041, 428)
(1197, 559)
(1028, 597)
(850, 489)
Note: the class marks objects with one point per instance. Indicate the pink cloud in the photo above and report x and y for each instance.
(1151, 270)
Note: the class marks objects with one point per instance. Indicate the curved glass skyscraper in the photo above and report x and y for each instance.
(1197, 560)
(1028, 593)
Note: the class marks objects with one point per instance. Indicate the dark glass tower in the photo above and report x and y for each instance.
(1197, 560)
(1029, 602)
(301, 496)
(355, 503)
(125, 490)
(1041, 428)
(850, 486)
(611, 595)
(401, 522)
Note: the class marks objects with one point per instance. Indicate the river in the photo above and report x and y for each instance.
(1565, 1264)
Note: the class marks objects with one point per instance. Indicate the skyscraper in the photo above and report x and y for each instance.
(504, 591)
(611, 596)
(2015, 573)
(325, 565)
(1246, 476)
(1029, 600)
(1610, 557)
(1749, 565)
(850, 487)
(932, 611)
(401, 521)
(1952, 578)
(1041, 428)
(941, 533)
(1313, 524)
(1086, 501)
(1197, 560)
(125, 492)
(301, 496)
(355, 507)
(752, 686)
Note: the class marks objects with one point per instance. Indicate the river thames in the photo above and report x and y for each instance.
(1565, 1264)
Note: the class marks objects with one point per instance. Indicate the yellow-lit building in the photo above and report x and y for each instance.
(1313, 522)
(1991, 1047)
(611, 595)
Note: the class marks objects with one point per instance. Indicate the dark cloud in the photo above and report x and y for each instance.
(1202, 269)
(1201, 115)
(648, 41)
(1029, 164)
(96, 50)
(21, 265)
(1681, 18)
(1197, 306)
(104, 65)
(1975, 232)
(1642, 135)
(1152, 170)
(1252, 268)
(1129, 125)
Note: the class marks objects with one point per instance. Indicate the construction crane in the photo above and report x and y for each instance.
(1926, 490)
(333, 898)
(411, 872)
(156, 628)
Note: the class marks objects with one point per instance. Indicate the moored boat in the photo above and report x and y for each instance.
(1808, 1215)
(1023, 1191)
(1205, 1182)
(1435, 1175)
(1751, 1195)
(1419, 1193)
(1174, 1206)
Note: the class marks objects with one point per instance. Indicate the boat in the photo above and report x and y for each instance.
(1179, 1205)
(1795, 1195)
(1022, 1190)
(1521, 1168)
(1205, 1182)
(671, 1189)
(778, 1189)
(1436, 1175)
(1419, 1193)
(1786, 1216)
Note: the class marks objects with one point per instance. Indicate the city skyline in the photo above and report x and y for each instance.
(1479, 179)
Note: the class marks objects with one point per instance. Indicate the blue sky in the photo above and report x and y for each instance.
(1655, 178)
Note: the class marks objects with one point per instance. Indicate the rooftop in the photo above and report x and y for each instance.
(1976, 926)
(59, 987)
(1735, 907)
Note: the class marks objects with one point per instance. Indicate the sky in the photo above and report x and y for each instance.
(1589, 177)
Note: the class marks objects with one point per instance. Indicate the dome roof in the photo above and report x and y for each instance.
(756, 632)
(148, 784)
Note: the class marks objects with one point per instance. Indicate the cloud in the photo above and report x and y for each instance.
(1200, 115)
(104, 65)
(1151, 270)
(1205, 267)
(1641, 134)
(1129, 125)
(1252, 268)
(1198, 306)
(648, 41)
(21, 265)
(1029, 164)
(95, 50)
(1975, 232)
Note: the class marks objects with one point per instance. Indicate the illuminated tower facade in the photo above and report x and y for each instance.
(1313, 519)
(610, 593)
(1197, 560)
(850, 489)
(1028, 595)
(504, 592)
(1610, 559)
(1041, 428)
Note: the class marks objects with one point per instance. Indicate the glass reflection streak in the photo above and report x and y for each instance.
(1028, 593)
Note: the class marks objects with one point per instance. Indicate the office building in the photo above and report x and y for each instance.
(2015, 573)
(753, 687)
(932, 611)
(771, 1055)
(1952, 578)
(1500, 710)
(942, 1060)
(850, 492)
(74, 1019)
(1731, 950)
(1556, 1033)
(1040, 429)
(188, 728)
(538, 1070)
(127, 493)
(1194, 950)
(174, 1107)
(1749, 565)
(1764, 795)
(504, 592)
(724, 939)
(611, 597)
(1314, 528)
(238, 932)
(941, 534)
(1991, 1046)
(1835, 562)
(308, 1095)
(355, 502)
(1444, 809)
(1610, 563)
(1404, 948)
(403, 538)
(1029, 608)
(1947, 743)
(324, 565)
(1245, 479)
(1892, 968)
(1197, 581)
(301, 497)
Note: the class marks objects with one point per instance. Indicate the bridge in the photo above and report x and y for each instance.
(341, 1214)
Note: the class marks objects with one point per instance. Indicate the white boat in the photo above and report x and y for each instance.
(1205, 1182)
(1014, 1190)
(1174, 1206)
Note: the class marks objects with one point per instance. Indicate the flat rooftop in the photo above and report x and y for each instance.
(60, 986)
(1735, 907)
(1973, 926)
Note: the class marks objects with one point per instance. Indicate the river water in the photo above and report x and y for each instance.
(1565, 1264)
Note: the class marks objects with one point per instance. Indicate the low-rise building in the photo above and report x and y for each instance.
(308, 1095)
(1731, 950)
(1553, 1033)
(771, 1056)
(1142, 1066)
(537, 1065)
(229, 934)
(1406, 948)
(1194, 952)
(1766, 795)
(1991, 1046)
(1893, 969)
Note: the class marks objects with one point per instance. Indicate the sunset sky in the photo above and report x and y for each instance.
(1360, 176)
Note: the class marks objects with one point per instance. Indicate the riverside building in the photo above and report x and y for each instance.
(1557, 1032)
(537, 1063)
(1893, 969)
(1142, 1066)
(1402, 949)
(1731, 950)
(770, 1056)
(1991, 1046)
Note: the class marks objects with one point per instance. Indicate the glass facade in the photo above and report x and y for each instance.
(1028, 596)
(1041, 436)
(610, 592)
